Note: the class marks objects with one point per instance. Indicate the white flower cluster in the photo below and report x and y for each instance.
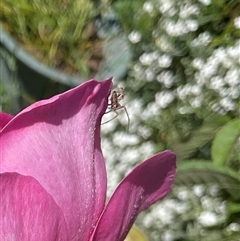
(211, 82)
(211, 211)
(218, 73)
(214, 77)
(221, 74)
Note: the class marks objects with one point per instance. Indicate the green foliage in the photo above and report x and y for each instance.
(224, 142)
(139, 19)
(55, 31)
(216, 172)
(205, 172)
(199, 137)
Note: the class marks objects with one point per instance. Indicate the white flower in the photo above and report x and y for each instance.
(165, 6)
(198, 63)
(199, 190)
(203, 39)
(237, 22)
(192, 25)
(187, 10)
(148, 58)
(165, 61)
(207, 218)
(148, 7)
(135, 37)
(164, 98)
(205, 2)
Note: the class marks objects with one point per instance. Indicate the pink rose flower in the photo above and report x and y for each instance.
(53, 177)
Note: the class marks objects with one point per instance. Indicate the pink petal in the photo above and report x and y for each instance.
(27, 211)
(57, 141)
(146, 184)
(4, 119)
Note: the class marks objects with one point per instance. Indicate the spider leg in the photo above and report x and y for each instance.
(116, 112)
(111, 118)
(126, 114)
(125, 109)
(110, 110)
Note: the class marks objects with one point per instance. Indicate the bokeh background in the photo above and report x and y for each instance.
(179, 65)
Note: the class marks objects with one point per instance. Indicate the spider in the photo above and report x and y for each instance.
(114, 105)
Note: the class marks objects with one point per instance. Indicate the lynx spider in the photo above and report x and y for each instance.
(114, 105)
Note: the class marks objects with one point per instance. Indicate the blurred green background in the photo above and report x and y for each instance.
(179, 63)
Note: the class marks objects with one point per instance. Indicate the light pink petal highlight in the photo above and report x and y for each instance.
(27, 212)
(146, 184)
(57, 141)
